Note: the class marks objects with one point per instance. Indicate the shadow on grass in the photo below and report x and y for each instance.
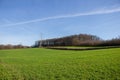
(82, 49)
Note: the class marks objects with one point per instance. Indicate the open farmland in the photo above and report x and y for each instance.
(47, 64)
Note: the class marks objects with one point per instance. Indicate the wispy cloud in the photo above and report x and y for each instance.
(96, 12)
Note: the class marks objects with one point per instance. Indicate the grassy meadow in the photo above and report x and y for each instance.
(47, 64)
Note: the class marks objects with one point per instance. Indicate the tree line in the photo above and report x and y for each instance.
(78, 40)
(9, 46)
(73, 40)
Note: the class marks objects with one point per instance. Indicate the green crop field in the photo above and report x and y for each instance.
(46, 64)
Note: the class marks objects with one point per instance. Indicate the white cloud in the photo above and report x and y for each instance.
(96, 12)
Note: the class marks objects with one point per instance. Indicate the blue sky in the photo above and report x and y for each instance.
(23, 21)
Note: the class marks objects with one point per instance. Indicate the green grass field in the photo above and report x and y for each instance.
(46, 64)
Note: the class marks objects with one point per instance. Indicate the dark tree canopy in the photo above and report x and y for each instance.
(73, 40)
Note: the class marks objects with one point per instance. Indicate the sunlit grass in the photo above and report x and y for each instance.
(46, 64)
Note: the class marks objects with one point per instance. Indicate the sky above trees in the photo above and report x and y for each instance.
(23, 21)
